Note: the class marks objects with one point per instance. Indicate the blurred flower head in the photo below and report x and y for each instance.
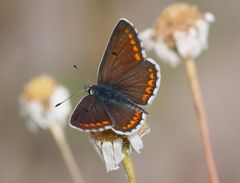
(109, 145)
(180, 32)
(38, 100)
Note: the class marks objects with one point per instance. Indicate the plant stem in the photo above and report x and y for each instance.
(128, 165)
(199, 107)
(60, 139)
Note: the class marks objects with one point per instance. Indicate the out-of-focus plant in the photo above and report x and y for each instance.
(37, 105)
(180, 34)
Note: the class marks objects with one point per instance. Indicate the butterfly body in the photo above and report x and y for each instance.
(126, 82)
(109, 94)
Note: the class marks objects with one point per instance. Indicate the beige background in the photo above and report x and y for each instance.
(50, 36)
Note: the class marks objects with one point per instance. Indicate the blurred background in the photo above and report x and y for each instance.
(51, 35)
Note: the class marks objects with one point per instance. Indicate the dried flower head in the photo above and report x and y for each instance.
(181, 31)
(109, 145)
(38, 101)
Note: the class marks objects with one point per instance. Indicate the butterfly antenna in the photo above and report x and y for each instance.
(72, 95)
(84, 75)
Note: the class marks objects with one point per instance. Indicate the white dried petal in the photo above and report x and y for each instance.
(167, 55)
(187, 43)
(194, 41)
(108, 156)
(182, 43)
(112, 152)
(144, 130)
(118, 154)
(34, 111)
(60, 113)
(148, 42)
(136, 142)
(209, 17)
(203, 29)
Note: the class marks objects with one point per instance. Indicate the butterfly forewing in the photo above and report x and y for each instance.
(90, 115)
(123, 53)
(125, 67)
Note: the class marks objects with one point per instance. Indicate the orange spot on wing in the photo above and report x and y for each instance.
(152, 76)
(129, 126)
(92, 124)
(151, 82)
(126, 30)
(148, 90)
(86, 125)
(136, 118)
(137, 113)
(132, 42)
(105, 122)
(135, 48)
(124, 127)
(145, 97)
(130, 36)
(132, 122)
(98, 124)
(150, 70)
(137, 57)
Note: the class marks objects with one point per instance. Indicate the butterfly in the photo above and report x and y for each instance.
(126, 81)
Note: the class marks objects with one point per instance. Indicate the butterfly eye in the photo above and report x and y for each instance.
(91, 91)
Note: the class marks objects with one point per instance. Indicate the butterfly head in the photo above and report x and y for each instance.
(89, 89)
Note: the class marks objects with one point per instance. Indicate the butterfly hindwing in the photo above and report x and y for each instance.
(124, 52)
(125, 121)
(90, 115)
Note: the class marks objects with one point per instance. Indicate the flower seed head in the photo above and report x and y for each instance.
(38, 100)
(40, 88)
(109, 145)
(180, 32)
(176, 17)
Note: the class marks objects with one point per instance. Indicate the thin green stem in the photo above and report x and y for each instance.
(60, 139)
(199, 107)
(128, 165)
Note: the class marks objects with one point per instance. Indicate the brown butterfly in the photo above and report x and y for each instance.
(126, 81)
